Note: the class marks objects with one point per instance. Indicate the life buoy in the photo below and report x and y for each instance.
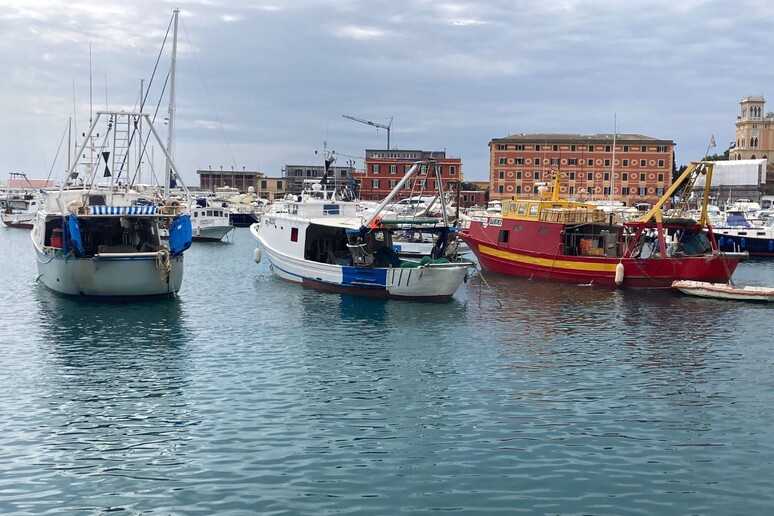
(376, 223)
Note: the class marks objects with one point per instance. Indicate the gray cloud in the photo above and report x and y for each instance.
(264, 84)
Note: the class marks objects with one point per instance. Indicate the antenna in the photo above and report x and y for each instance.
(378, 126)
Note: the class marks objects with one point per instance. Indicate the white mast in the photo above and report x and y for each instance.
(171, 112)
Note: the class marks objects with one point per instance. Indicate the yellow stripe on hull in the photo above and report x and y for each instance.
(576, 265)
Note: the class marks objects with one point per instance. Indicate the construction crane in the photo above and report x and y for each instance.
(378, 126)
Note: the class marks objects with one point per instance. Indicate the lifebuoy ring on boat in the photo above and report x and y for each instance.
(376, 223)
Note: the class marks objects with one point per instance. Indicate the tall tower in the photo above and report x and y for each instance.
(754, 130)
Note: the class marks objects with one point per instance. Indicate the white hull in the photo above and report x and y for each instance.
(117, 275)
(431, 282)
(18, 220)
(724, 291)
(211, 233)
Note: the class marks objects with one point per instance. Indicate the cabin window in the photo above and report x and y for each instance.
(512, 206)
(543, 230)
(517, 228)
(533, 209)
(522, 209)
(294, 234)
(502, 236)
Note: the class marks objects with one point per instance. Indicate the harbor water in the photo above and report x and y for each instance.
(248, 395)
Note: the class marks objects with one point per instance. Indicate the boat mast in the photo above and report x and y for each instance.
(171, 111)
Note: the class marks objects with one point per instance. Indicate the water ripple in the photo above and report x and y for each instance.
(249, 395)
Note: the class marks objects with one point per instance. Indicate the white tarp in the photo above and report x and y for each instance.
(740, 172)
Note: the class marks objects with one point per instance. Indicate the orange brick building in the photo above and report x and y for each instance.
(640, 170)
(385, 168)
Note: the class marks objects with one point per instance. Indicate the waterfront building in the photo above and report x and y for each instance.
(385, 168)
(639, 169)
(754, 130)
(210, 179)
(295, 175)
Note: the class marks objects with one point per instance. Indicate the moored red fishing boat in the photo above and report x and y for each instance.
(559, 239)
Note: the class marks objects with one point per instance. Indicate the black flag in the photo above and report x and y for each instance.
(106, 156)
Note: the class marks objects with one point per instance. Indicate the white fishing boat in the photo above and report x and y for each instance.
(103, 240)
(725, 291)
(326, 243)
(21, 218)
(210, 223)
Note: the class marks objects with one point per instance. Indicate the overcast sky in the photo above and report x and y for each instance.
(261, 84)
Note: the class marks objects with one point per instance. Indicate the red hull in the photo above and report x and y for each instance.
(516, 260)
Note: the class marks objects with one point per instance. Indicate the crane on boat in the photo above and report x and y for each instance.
(377, 125)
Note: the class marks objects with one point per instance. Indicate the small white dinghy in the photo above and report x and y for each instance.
(724, 291)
